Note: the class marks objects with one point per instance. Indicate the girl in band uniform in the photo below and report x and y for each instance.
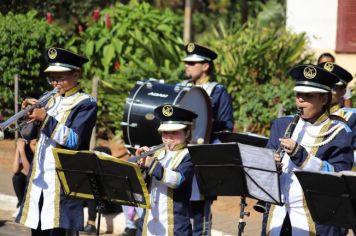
(318, 143)
(171, 172)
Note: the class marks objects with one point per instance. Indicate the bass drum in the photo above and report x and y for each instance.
(140, 126)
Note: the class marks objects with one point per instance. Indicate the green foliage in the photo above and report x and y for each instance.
(253, 63)
(62, 10)
(140, 42)
(23, 39)
(136, 41)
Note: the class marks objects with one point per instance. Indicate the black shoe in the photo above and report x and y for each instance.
(128, 232)
(89, 229)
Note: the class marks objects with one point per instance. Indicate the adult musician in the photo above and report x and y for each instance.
(171, 172)
(338, 91)
(318, 143)
(200, 71)
(66, 121)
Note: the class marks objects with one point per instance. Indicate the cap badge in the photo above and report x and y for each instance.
(167, 110)
(190, 47)
(309, 72)
(329, 66)
(52, 53)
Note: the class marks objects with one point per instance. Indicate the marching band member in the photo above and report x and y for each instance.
(338, 91)
(346, 100)
(318, 143)
(66, 121)
(199, 69)
(171, 172)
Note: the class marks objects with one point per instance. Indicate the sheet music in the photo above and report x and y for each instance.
(259, 164)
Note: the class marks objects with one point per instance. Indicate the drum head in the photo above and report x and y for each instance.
(198, 101)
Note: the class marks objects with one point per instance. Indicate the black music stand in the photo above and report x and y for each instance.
(331, 197)
(221, 171)
(97, 176)
(245, 138)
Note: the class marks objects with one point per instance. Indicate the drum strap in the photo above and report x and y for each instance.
(208, 87)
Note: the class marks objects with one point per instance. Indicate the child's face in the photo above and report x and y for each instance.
(173, 138)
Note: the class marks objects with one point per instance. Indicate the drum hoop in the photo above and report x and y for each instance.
(178, 96)
(129, 111)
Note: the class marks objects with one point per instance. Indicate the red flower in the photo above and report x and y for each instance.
(107, 21)
(117, 65)
(80, 28)
(96, 15)
(49, 18)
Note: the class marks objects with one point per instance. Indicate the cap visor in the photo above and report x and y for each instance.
(341, 83)
(195, 58)
(171, 127)
(307, 89)
(57, 69)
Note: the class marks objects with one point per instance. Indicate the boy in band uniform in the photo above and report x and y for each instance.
(67, 121)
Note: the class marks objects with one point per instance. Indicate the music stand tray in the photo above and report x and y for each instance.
(330, 196)
(116, 181)
(235, 169)
(244, 138)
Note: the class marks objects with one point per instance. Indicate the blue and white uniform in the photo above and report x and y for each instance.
(349, 115)
(69, 123)
(170, 188)
(324, 145)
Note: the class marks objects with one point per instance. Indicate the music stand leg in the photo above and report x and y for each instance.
(243, 213)
(97, 197)
(99, 208)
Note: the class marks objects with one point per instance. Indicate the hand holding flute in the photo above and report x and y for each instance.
(147, 160)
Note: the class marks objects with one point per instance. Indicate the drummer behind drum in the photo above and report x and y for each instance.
(199, 69)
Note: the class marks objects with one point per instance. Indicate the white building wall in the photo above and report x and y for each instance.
(318, 18)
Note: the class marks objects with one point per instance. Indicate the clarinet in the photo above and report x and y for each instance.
(41, 102)
(260, 206)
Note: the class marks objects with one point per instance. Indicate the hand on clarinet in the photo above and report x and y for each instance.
(288, 145)
(28, 102)
(37, 114)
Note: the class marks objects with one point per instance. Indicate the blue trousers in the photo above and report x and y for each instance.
(200, 212)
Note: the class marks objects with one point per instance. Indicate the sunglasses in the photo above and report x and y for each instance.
(191, 63)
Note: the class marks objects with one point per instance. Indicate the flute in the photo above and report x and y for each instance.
(152, 150)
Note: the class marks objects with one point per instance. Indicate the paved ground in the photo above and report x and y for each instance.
(225, 209)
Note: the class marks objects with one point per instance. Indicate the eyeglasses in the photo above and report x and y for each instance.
(57, 79)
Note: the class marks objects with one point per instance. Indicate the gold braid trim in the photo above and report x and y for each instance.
(335, 130)
(269, 220)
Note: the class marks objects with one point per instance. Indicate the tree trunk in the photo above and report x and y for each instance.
(187, 21)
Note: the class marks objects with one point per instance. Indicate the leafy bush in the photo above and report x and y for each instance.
(130, 43)
(253, 63)
(23, 39)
